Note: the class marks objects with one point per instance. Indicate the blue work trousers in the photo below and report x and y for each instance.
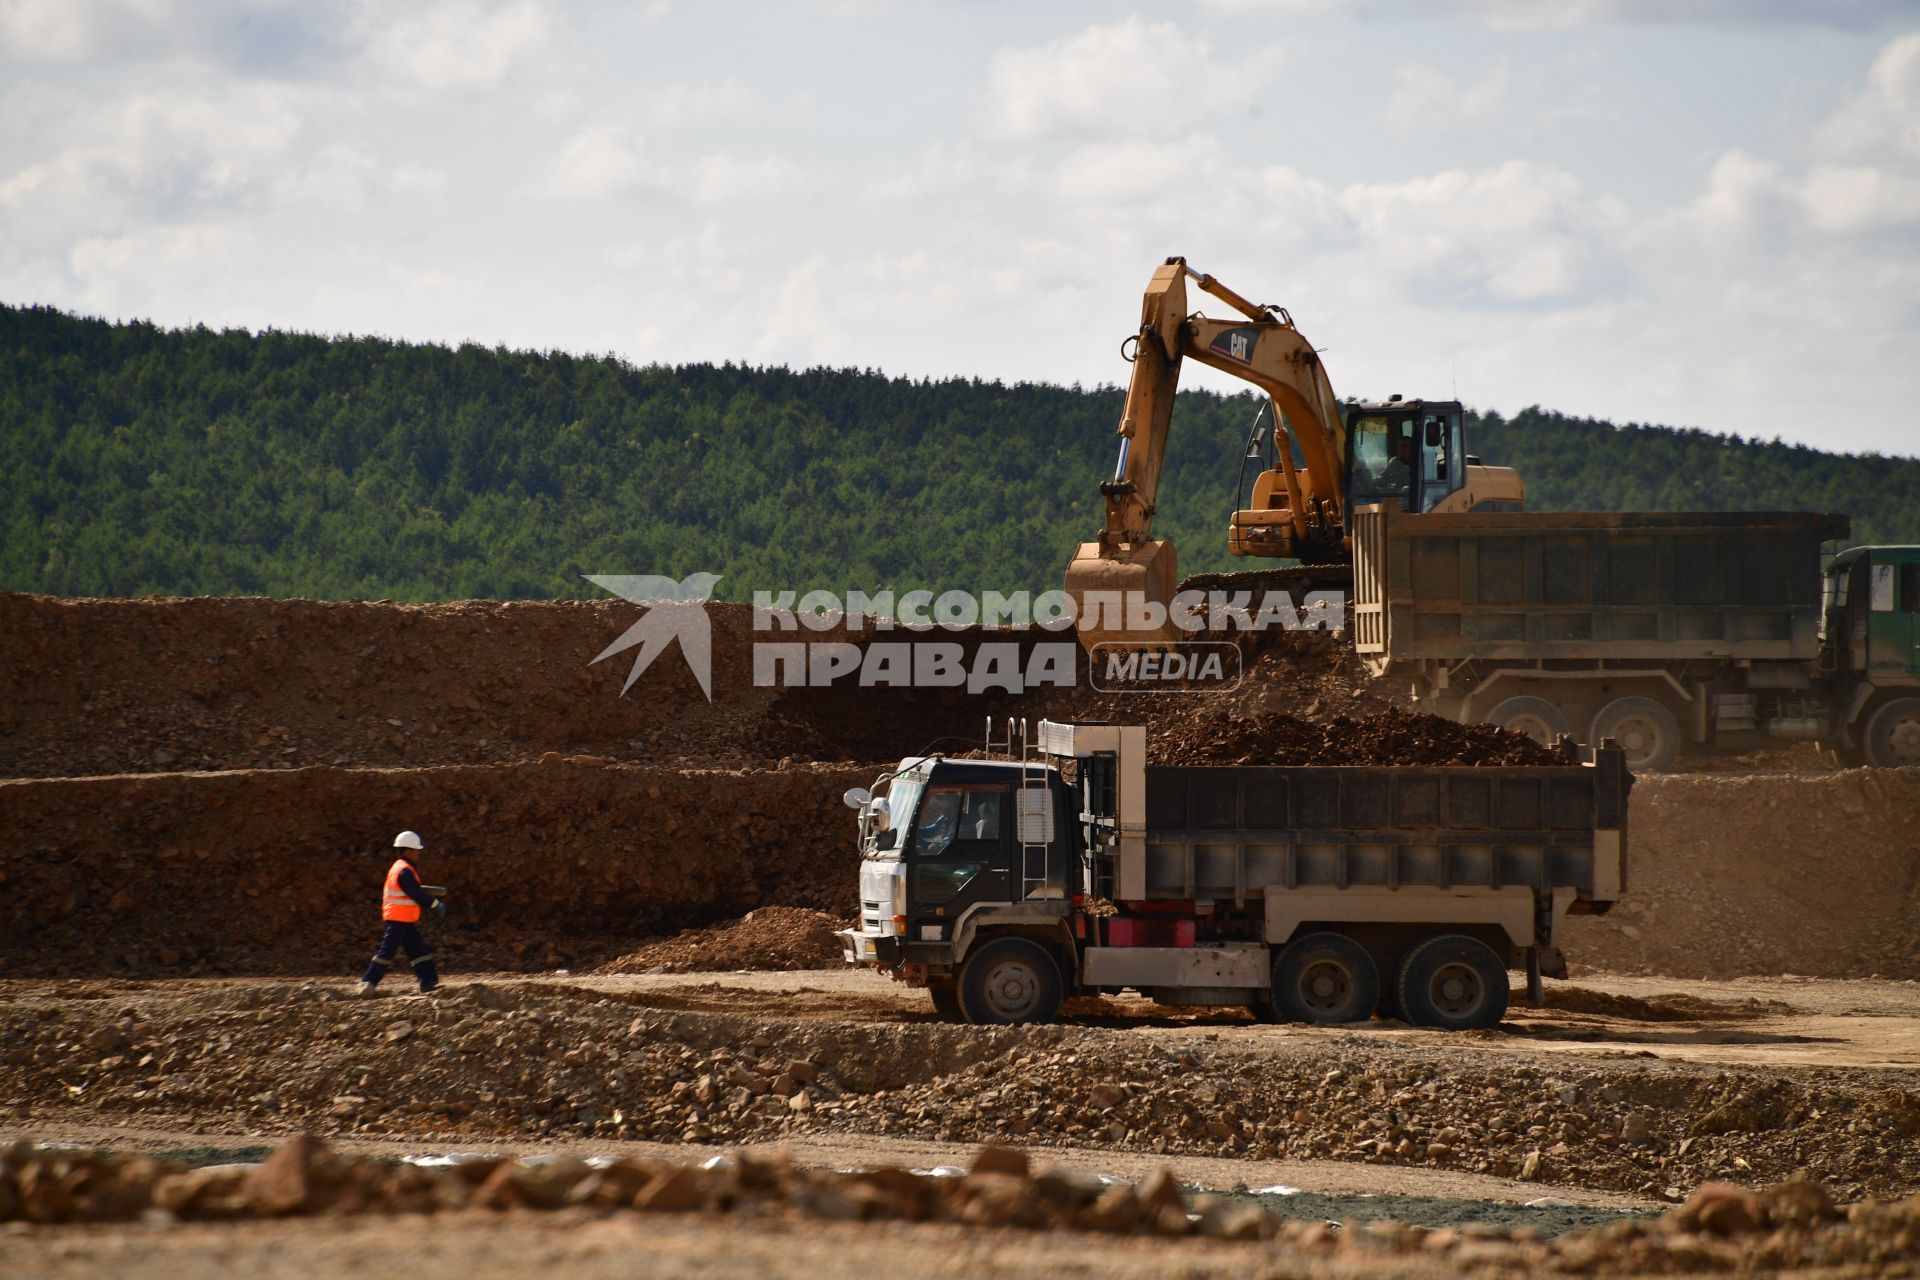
(403, 935)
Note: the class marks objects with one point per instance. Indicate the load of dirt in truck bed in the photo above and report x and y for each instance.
(769, 938)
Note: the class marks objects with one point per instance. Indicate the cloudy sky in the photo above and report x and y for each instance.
(1696, 212)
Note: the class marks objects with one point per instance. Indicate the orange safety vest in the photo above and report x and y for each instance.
(394, 902)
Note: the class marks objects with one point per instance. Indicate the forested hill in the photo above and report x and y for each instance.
(140, 460)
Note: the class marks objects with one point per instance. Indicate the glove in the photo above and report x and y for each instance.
(439, 909)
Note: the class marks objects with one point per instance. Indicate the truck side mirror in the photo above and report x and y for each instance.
(1434, 435)
(887, 839)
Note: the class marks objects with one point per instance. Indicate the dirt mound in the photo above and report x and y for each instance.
(91, 687)
(134, 686)
(279, 871)
(1670, 1007)
(769, 938)
(1730, 877)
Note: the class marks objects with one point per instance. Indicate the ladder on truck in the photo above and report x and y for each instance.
(1032, 815)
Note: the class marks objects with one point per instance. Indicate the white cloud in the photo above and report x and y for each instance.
(457, 44)
(1130, 169)
(1427, 98)
(1853, 199)
(1515, 234)
(598, 160)
(1884, 119)
(724, 179)
(1818, 13)
(989, 214)
(1126, 78)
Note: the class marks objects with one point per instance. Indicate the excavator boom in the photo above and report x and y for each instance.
(1300, 504)
(1264, 348)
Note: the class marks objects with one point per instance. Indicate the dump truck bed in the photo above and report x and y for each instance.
(1584, 585)
(1229, 834)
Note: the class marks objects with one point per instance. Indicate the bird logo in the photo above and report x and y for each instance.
(675, 611)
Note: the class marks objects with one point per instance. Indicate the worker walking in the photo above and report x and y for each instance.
(401, 900)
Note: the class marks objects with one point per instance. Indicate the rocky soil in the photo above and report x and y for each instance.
(550, 1059)
(1720, 1228)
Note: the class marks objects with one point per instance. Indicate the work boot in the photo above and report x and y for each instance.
(366, 989)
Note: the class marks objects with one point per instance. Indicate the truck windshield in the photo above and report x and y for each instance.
(903, 797)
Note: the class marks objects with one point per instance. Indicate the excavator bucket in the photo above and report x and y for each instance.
(1114, 594)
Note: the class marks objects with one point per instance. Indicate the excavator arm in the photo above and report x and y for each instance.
(1265, 349)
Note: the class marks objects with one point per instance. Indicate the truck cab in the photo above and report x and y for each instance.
(942, 839)
(1870, 652)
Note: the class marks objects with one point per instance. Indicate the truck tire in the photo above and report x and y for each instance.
(1326, 978)
(1892, 735)
(1453, 982)
(1010, 982)
(946, 1004)
(1645, 730)
(1534, 717)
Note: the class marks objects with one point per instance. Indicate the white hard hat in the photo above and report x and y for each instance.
(408, 840)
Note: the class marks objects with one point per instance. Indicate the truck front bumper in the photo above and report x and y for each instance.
(864, 948)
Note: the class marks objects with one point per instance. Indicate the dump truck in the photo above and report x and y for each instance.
(1668, 632)
(1007, 883)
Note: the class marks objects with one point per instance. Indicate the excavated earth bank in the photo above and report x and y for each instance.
(206, 786)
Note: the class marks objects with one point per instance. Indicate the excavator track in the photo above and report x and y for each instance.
(1298, 581)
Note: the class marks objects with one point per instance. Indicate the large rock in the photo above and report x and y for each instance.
(1163, 1206)
(290, 1180)
(678, 1190)
(1721, 1208)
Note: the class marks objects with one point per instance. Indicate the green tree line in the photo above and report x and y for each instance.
(142, 460)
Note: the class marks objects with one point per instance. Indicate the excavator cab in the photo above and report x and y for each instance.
(1407, 454)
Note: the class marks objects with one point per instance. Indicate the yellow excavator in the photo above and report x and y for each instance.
(1322, 459)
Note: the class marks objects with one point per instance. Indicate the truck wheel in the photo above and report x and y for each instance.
(1645, 730)
(1892, 736)
(1453, 982)
(946, 1004)
(1325, 977)
(1534, 717)
(1009, 982)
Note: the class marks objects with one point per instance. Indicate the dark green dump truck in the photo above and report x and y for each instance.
(1669, 632)
(1312, 894)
